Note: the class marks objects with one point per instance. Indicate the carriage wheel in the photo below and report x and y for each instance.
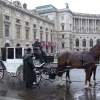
(14, 74)
(38, 76)
(1, 72)
(45, 74)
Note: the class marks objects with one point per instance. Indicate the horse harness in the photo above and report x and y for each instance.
(81, 58)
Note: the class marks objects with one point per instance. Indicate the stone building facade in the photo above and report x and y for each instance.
(66, 29)
(20, 26)
(74, 31)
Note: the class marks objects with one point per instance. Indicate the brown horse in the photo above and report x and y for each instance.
(72, 59)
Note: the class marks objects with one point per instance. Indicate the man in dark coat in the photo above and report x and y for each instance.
(29, 75)
(38, 49)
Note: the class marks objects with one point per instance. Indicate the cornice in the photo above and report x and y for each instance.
(25, 12)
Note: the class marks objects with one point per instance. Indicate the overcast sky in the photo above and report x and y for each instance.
(81, 6)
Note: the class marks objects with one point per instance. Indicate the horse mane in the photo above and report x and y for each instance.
(95, 48)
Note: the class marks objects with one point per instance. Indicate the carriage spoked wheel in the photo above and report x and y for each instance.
(1, 72)
(45, 74)
(14, 74)
(38, 76)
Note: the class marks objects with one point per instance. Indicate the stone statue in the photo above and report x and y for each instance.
(67, 5)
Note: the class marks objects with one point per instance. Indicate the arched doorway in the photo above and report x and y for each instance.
(27, 44)
(7, 45)
(18, 45)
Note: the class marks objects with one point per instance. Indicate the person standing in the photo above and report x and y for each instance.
(29, 75)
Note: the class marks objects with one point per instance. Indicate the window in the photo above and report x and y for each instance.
(51, 38)
(77, 42)
(10, 53)
(27, 44)
(27, 34)
(98, 40)
(46, 29)
(17, 20)
(84, 42)
(41, 27)
(62, 27)
(84, 49)
(77, 49)
(40, 36)
(62, 45)
(7, 45)
(46, 37)
(18, 32)
(7, 30)
(89, 28)
(96, 28)
(34, 26)
(91, 42)
(51, 49)
(34, 35)
(62, 36)
(46, 49)
(27, 23)
(18, 52)
(6, 17)
(62, 17)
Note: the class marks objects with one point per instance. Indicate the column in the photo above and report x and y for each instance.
(79, 24)
(95, 24)
(74, 24)
(86, 25)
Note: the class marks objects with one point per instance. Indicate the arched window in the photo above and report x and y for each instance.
(91, 42)
(18, 45)
(98, 40)
(7, 45)
(77, 42)
(84, 42)
(27, 44)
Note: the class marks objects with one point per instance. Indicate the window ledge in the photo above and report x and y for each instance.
(18, 24)
(7, 21)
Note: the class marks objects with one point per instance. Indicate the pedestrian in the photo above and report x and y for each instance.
(29, 70)
(38, 49)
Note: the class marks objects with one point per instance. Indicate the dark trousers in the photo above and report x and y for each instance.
(39, 55)
(29, 86)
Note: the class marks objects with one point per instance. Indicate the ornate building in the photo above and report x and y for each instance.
(74, 31)
(20, 26)
(58, 29)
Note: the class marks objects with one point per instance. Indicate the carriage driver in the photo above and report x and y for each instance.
(38, 49)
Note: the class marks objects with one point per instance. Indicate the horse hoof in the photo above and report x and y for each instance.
(95, 82)
(67, 80)
(90, 84)
(61, 85)
(87, 87)
(70, 81)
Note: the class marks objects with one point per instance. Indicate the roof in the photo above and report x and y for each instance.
(44, 7)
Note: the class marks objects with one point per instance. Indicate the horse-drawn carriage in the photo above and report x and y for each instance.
(12, 62)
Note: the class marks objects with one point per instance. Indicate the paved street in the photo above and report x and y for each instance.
(13, 88)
